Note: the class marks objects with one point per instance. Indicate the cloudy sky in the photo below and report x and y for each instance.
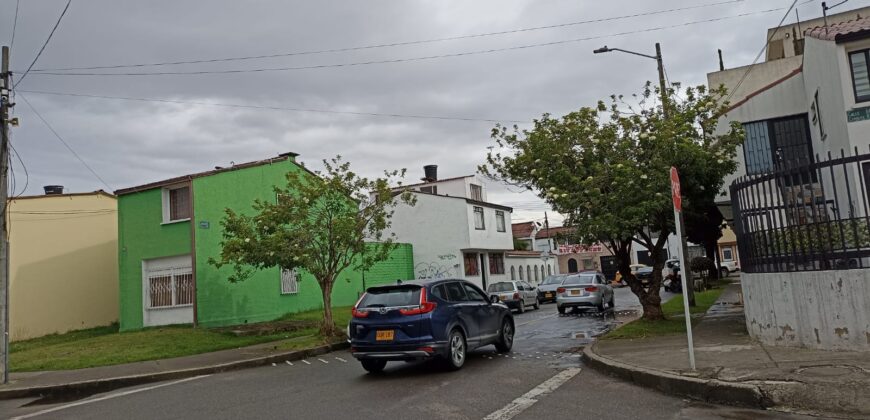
(128, 143)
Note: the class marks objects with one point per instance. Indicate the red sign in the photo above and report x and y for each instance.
(675, 189)
(577, 249)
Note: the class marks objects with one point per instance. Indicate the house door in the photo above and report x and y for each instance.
(483, 269)
(167, 291)
(572, 265)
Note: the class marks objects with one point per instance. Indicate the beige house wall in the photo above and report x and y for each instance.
(63, 266)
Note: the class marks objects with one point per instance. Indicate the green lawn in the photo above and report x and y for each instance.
(673, 324)
(106, 346)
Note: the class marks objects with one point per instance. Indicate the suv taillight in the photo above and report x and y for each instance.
(357, 313)
(424, 308)
(560, 290)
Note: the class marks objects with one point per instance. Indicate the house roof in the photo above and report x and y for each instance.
(434, 182)
(524, 230)
(280, 158)
(80, 194)
(769, 86)
(841, 32)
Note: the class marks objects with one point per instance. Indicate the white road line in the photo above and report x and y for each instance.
(529, 399)
(105, 397)
(306, 362)
(536, 320)
(341, 360)
(324, 361)
(289, 362)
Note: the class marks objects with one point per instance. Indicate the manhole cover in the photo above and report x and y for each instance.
(826, 370)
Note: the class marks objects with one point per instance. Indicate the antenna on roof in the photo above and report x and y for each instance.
(825, 9)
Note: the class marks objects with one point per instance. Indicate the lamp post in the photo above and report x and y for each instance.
(658, 58)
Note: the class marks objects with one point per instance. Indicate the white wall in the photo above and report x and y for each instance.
(827, 310)
(489, 238)
(762, 74)
(530, 262)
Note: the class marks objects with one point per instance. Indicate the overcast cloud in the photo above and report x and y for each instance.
(130, 143)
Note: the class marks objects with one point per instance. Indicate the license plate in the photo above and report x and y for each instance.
(575, 293)
(549, 295)
(385, 335)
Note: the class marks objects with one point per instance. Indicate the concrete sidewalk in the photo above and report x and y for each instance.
(732, 368)
(104, 378)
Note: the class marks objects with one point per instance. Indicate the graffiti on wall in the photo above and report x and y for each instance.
(443, 267)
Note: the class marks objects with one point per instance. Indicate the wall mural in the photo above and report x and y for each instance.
(446, 266)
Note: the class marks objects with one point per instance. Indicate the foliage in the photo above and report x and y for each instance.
(520, 245)
(322, 222)
(607, 168)
(702, 264)
(674, 323)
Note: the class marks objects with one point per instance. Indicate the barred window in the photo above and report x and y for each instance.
(289, 282)
(170, 287)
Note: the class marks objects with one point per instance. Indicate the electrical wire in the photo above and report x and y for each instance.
(45, 44)
(26, 173)
(14, 24)
(392, 44)
(409, 59)
(274, 108)
(50, 128)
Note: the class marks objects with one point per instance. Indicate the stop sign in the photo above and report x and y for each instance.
(675, 189)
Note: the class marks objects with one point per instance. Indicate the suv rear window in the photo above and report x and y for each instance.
(583, 279)
(501, 287)
(391, 296)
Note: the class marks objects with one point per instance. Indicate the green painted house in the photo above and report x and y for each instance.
(167, 231)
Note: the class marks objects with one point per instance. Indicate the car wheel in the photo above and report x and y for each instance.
(601, 306)
(537, 304)
(522, 308)
(561, 309)
(723, 272)
(506, 341)
(456, 350)
(374, 366)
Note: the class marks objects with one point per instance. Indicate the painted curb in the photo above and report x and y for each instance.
(108, 384)
(708, 390)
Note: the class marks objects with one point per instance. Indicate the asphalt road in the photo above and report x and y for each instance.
(543, 377)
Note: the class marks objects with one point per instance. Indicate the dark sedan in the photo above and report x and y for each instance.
(547, 288)
(425, 319)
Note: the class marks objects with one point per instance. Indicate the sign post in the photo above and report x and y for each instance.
(678, 208)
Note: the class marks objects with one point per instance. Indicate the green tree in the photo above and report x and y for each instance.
(607, 169)
(322, 222)
(520, 245)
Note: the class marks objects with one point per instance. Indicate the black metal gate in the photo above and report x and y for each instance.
(608, 266)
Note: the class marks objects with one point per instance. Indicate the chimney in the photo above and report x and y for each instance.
(53, 189)
(431, 173)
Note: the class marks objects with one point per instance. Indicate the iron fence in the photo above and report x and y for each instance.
(804, 216)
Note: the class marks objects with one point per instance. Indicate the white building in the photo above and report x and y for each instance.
(455, 232)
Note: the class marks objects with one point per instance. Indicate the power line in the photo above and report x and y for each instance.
(26, 173)
(392, 44)
(14, 24)
(274, 108)
(56, 24)
(47, 125)
(402, 60)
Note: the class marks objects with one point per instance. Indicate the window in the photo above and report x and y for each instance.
(471, 268)
(170, 287)
(587, 264)
(289, 282)
(473, 293)
(521, 272)
(542, 272)
(549, 270)
(478, 218)
(438, 291)
(727, 254)
(455, 292)
(432, 189)
(536, 274)
(499, 221)
(496, 263)
(572, 265)
(756, 148)
(513, 273)
(860, 76)
(529, 273)
(476, 192)
(777, 143)
(176, 204)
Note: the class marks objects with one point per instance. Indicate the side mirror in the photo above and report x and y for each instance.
(493, 299)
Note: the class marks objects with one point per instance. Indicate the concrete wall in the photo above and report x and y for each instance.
(827, 310)
(63, 267)
(513, 265)
(762, 74)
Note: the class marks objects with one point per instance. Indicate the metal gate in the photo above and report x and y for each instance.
(608, 266)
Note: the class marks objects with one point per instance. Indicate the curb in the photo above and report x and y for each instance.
(708, 390)
(108, 384)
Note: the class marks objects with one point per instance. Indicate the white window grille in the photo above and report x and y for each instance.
(170, 287)
(289, 282)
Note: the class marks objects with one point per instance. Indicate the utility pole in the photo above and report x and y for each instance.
(662, 85)
(4, 239)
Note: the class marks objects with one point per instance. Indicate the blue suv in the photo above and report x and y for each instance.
(424, 319)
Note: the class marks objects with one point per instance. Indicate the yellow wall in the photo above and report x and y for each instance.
(63, 264)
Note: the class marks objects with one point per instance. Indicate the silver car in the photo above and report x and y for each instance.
(584, 290)
(515, 294)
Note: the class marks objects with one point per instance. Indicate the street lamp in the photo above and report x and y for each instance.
(658, 58)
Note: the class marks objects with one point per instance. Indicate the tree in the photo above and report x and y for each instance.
(322, 222)
(704, 227)
(607, 169)
(520, 245)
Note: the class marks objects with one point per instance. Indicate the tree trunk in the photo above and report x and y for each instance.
(713, 253)
(649, 299)
(327, 327)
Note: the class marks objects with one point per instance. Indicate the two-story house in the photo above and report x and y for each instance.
(454, 230)
(168, 230)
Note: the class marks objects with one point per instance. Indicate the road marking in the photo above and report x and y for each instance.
(341, 360)
(306, 362)
(105, 397)
(324, 361)
(289, 362)
(536, 320)
(529, 399)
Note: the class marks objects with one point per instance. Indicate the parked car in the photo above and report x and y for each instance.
(644, 275)
(584, 290)
(426, 319)
(515, 294)
(617, 280)
(547, 289)
(727, 267)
